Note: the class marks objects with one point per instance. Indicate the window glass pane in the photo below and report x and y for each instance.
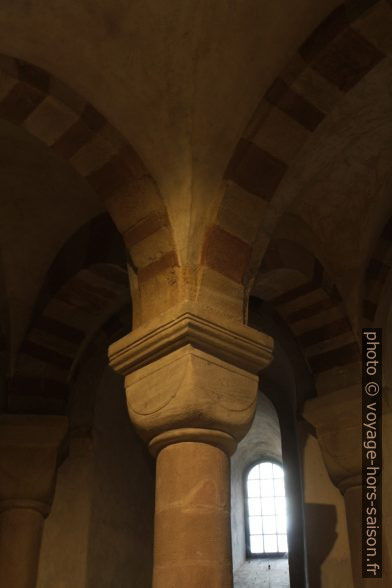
(253, 488)
(254, 506)
(270, 543)
(280, 504)
(279, 487)
(265, 470)
(267, 487)
(254, 473)
(255, 526)
(269, 525)
(268, 506)
(256, 544)
(277, 471)
(281, 524)
(282, 543)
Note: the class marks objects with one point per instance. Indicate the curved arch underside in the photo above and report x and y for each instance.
(269, 167)
(268, 174)
(86, 290)
(377, 273)
(312, 307)
(78, 133)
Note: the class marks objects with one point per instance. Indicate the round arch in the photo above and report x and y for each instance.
(311, 305)
(86, 288)
(341, 52)
(73, 129)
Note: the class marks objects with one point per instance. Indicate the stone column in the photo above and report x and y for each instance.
(191, 385)
(337, 418)
(30, 449)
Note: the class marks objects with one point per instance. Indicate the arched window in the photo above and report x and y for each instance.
(266, 527)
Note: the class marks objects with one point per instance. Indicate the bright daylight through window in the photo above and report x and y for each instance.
(266, 510)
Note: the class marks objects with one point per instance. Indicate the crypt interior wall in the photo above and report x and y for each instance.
(328, 552)
(100, 530)
(263, 442)
(312, 169)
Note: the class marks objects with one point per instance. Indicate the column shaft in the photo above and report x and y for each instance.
(31, 447)
(20, 541)
(191, 385)
(192, 517)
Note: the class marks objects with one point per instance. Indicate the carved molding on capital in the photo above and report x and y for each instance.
(232, 342)
(210, 436)
(191, 373)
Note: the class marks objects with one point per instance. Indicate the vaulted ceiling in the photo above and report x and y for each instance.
(270, 122)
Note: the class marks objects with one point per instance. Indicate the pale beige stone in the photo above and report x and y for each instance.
(252, 207)
(93, 155)
(192, 517)
(337, 417)
(317, 90)
(191, 383)
(50, 120)
(281, 136)
(218, 294)
(152, 248)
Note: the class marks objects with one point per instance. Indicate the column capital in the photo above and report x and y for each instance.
(31, 447)
(337, 418)
(191, 377)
